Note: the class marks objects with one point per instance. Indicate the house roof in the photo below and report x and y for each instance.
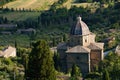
(8, 25)
(80, 29)
(96, 46)
(7, 51)
(78, 49)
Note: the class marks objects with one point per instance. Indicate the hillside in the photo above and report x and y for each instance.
(42, 4)
(57, 21)
(19, 16)
(2, 2)
(30, 4)
(22, 8)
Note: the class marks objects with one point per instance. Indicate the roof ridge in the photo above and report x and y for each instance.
(79, 49)
(84, 48)
(97, 46)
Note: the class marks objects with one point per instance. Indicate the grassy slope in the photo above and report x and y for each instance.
(26, 4)
(42, 4)
(17, 16)
(36, 5)
(22, 40)
(33, 4)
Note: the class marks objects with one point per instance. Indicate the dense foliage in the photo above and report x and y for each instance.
(101, 1)
(75, 71)
(11, 69)
(40, 64)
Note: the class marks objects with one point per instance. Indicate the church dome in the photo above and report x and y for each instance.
(80, 29)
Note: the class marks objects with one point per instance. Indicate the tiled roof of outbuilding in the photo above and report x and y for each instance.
(96, 46)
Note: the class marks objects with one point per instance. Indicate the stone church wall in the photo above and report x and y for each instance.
(95, 58)
(80, 59)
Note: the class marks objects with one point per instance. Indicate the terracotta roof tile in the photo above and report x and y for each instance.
(96, 46)
(78, 49)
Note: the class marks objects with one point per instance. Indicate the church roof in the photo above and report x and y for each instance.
(62, 46)
(96, 46)
(80, 29)
(78, 49)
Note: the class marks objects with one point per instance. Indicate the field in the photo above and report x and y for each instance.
(22, 40)
(30, 4)
(27, 5)
(19, 16)
(42, 4)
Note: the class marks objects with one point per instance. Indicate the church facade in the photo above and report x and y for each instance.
(81, 49)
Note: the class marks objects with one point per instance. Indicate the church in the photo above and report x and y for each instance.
(81, 49)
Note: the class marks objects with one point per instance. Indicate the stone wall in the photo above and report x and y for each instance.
(95, 58)
(80, 59)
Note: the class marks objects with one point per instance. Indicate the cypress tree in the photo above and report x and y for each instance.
(75, 71)
(16, 44)
(106, 75)
(40, 64)
(64, 37)
(56, 59)
(54, 42)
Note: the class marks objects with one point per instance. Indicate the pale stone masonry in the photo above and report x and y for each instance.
(117, 50)
(8, 52)
(81, 49)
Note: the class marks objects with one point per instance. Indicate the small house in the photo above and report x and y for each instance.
(8, 52)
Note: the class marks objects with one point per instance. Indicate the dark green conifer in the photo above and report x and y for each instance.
(106, 75)
(40, 64)
(56, 59)
(75, 71)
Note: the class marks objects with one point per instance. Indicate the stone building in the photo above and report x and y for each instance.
(117, 50)
(8, 52)
(81, 49)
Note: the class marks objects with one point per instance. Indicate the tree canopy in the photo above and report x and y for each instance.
(40, 64)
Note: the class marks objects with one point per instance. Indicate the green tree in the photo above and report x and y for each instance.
(56, 59)
(106, 75)
(40, 64)
(16, 46)
(65, 37)
(75, 71)
(54, 42)
(93, 76)
(25, 62)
